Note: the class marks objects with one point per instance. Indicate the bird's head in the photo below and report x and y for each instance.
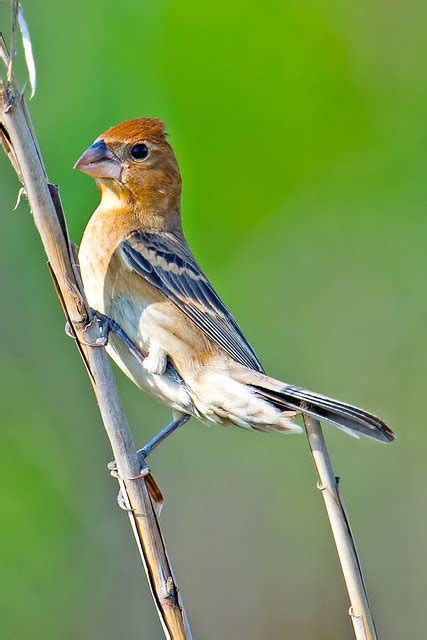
(133, 164)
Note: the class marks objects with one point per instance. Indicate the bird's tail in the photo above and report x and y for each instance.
(352, 420)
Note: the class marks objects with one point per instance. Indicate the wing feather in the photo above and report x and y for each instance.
(166, 262)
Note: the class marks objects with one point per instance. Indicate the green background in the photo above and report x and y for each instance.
(300, 131)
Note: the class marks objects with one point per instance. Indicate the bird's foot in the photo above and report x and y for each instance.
(144, 471)
(68, 330)
(144, 468)
(103, 324)
(106, 326)
(142, 454)
(122, 502)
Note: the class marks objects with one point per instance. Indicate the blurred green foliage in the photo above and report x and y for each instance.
(300, 130)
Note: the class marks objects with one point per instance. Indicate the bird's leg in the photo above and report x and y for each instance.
(107, 325)
(162, 435)
(178, 421)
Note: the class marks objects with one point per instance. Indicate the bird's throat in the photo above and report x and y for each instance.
(149, 213)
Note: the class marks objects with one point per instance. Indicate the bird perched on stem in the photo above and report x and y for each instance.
(169, 330)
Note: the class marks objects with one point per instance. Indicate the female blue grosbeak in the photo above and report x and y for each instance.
(171, 333)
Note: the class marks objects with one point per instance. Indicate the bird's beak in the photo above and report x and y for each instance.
(99, 161)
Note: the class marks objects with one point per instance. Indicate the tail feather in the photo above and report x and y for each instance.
(347, 418)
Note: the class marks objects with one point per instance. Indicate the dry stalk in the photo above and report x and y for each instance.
(360, 612)
(142, 496)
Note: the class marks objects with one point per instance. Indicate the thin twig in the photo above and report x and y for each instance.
(360, 612)
(14, 21)
(142, 496)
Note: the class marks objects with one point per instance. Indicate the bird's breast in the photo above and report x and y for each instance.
(136, 306)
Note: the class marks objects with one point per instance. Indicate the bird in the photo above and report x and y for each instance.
(168, 330)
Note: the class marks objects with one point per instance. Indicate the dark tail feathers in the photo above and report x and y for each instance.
(351, 420)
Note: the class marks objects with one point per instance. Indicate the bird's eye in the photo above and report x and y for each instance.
(139, 151)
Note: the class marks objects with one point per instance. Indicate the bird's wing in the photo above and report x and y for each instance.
(166, 262)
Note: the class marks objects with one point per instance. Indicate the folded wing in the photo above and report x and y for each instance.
(166, 262)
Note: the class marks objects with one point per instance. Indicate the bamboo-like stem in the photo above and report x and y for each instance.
(141, 495)
(360, 612)
(14, 22)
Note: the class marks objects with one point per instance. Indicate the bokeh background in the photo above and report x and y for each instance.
(300, 131)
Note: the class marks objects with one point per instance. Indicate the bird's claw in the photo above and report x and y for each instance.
(122, 503)
(104, 330)
(144, 468)
(112, 468)
(68, 330)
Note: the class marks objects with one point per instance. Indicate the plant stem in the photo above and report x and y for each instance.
(360, 612)
(141, 495)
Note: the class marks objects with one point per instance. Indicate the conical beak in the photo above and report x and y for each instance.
(100, 162)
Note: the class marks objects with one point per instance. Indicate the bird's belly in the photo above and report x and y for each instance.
(167, 388)
(135, 318)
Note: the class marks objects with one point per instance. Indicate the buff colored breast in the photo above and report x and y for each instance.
(110, 288)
